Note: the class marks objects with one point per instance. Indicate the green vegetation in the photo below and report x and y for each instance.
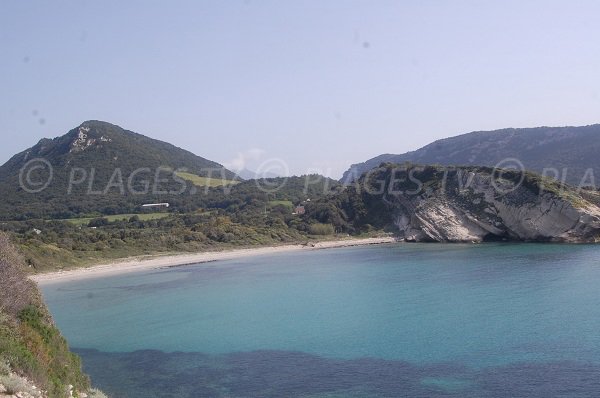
(30, 344)
(238, 216)
(63, 245)
(321, 229)
(118, 217)
(205, 181)
(285, 203)
(539, 184)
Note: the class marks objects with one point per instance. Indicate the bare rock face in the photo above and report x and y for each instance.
(474, 204)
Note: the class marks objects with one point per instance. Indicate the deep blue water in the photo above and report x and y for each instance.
(426, 320)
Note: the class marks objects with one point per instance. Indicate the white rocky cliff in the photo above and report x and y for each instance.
(478, 204)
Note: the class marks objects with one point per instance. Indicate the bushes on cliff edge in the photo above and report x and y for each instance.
(29, 342)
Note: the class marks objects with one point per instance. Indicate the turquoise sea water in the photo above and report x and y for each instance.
(500, 320)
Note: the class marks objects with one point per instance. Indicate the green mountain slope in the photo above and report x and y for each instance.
(570, 150)
(95, 167)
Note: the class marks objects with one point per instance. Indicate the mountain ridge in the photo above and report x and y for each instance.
(569, 151)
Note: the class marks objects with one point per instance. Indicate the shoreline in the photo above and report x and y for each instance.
(137, 264)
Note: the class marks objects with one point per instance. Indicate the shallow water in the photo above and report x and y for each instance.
(425, 320)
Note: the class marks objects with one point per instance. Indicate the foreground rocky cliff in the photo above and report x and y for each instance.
(469, 204)
(35, 360)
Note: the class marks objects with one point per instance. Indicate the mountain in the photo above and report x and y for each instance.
(570, 151)
(248, 174)
(97, 167)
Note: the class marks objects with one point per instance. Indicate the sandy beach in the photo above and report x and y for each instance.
(165, 261)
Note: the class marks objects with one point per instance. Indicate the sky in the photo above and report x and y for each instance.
(296, 86)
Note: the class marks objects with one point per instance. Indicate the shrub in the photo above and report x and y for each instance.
(29, 341)
(15, 384)
(4, 367)
(16, 291)
(321, 229)
(98, 222)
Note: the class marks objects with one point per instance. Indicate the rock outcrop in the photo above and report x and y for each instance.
(474, 204)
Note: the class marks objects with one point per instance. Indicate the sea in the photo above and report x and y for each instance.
(394, 320)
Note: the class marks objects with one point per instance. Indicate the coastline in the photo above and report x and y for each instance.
(137, 264)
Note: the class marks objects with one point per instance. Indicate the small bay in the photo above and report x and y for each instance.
(379, 321)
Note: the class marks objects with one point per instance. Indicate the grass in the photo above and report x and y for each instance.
(322, 229)
(286, 203)
(117, 217)
(205, 181)
(34, 347)
(50, 257)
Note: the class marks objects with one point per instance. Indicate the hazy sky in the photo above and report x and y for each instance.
(319, 84)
